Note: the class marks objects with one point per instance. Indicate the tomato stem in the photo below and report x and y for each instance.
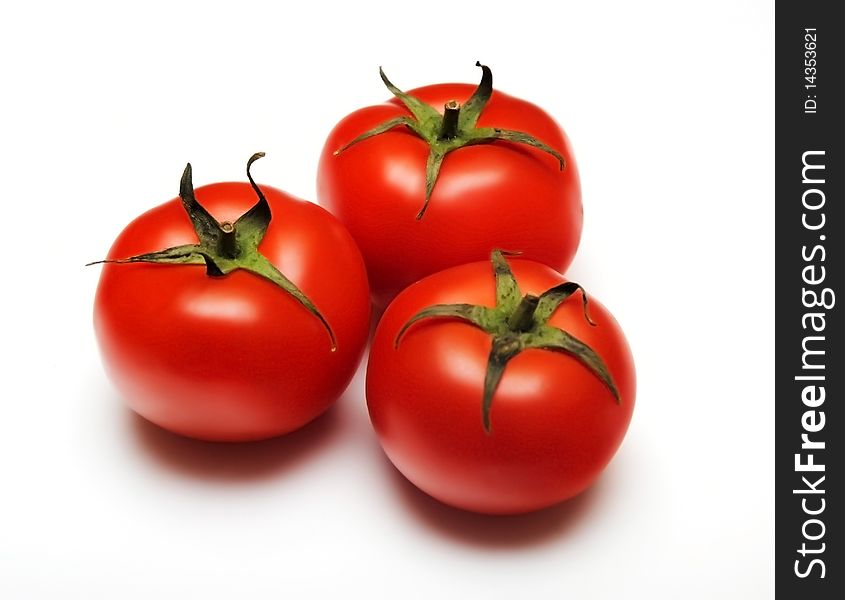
(449, 125)
(522, 318)
(228, 240)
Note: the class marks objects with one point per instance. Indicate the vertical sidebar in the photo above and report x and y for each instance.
(810, 370)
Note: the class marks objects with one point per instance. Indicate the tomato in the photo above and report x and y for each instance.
(237, 356)
(495, 402)
(508, 180)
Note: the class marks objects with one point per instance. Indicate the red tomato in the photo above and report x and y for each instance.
(234, 357)
(554, 424)
(491, 195)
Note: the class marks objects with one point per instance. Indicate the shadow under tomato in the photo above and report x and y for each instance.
(376, 313)
(235, 462)
(493, 531)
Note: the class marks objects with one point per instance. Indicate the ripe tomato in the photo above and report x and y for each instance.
(508, 426)
(495, 187)
(233, 357)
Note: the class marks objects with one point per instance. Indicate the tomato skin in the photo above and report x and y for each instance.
(232, 358)
(555, 426)
(498, 195)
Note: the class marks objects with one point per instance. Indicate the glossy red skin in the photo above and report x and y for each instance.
(498, 195)
(555, 426)
(233, 358)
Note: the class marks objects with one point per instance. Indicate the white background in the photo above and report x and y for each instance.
(670, 107)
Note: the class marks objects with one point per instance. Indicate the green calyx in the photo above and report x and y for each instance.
(454, 129)
(226, 247)
(518, 323)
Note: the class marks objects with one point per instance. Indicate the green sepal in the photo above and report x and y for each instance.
(383, 127)
(432, 169)
(552, 338)
(206, 227)
(480, 316)
(261, 266)
(226, 247)
(189, 254)
(486, 135)
(502, 351)
(423, 113)
(428, 124)
(507, 288)
(518, 323)
(552, 298)
(480, 97)
(252, 225)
